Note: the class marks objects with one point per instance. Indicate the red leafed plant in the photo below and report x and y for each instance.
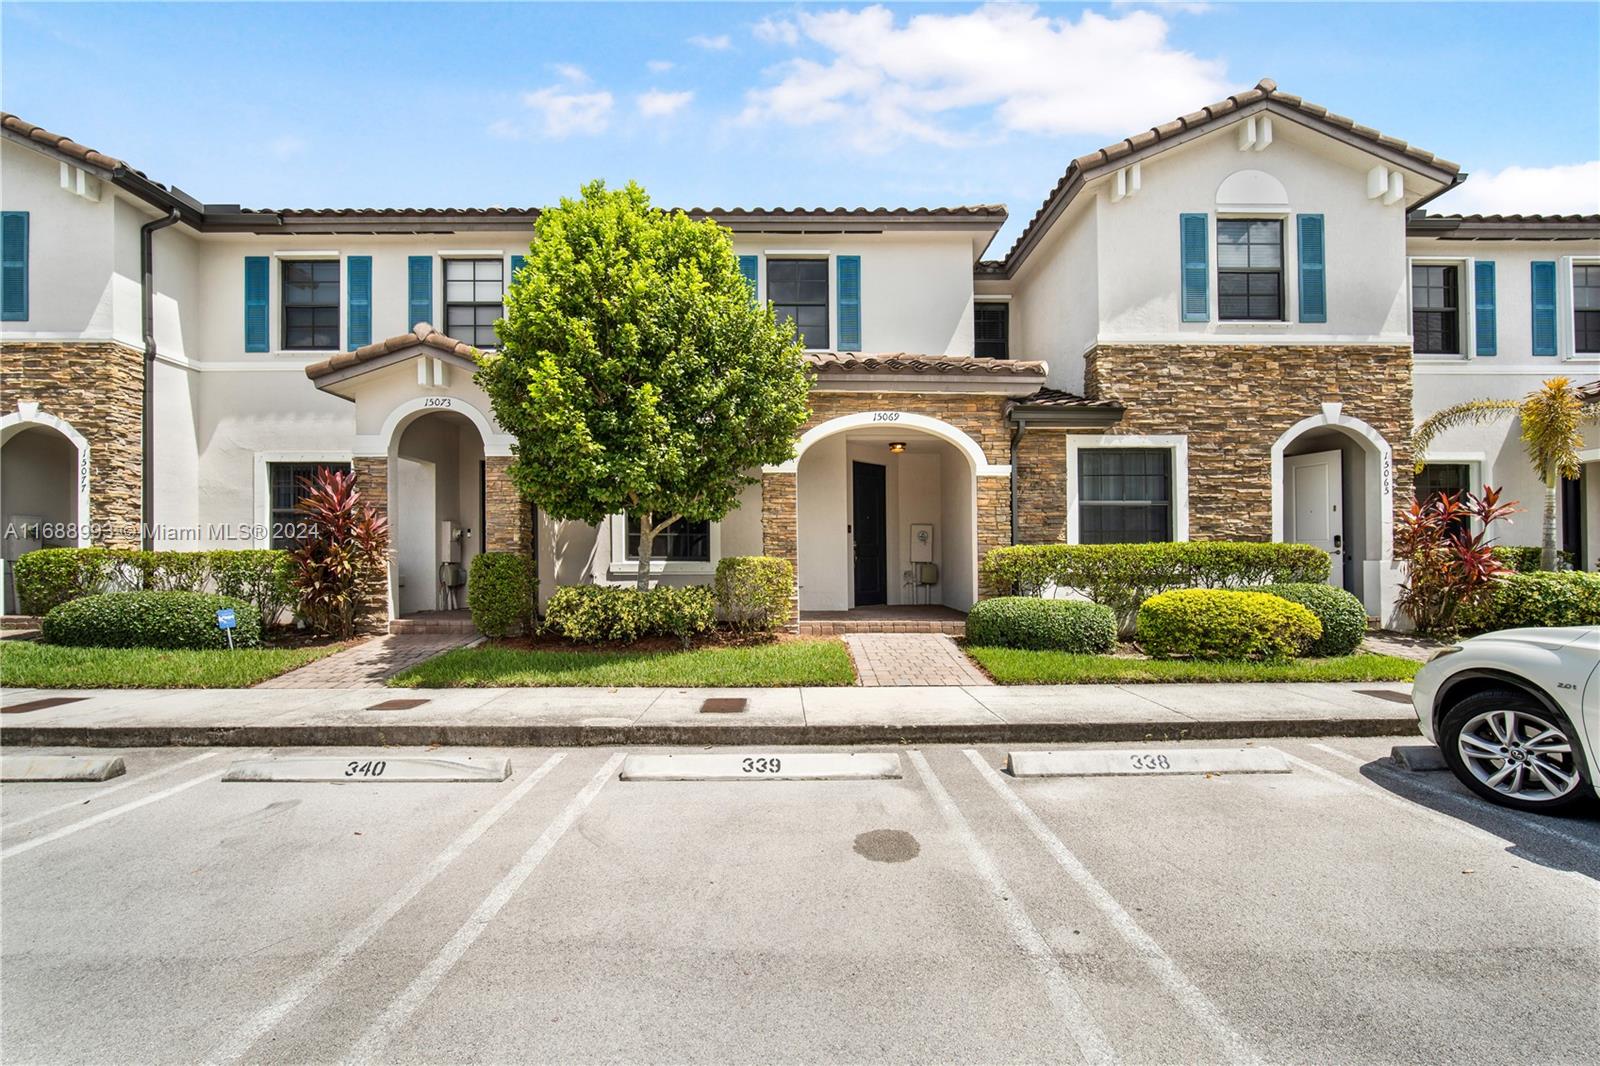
(345, 546)
(1444, 543)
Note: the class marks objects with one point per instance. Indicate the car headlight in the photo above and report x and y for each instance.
(1442, 652)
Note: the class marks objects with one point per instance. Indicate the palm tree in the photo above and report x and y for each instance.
(1552, 416)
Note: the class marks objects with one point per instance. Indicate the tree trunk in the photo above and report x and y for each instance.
(1548, 546)
(647, 543)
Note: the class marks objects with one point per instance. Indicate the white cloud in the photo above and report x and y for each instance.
(573, 73)
(559, 111)
(658, 104)
(936, 77)
(720, 43)
(659, 66)
(1568, 189)
(776, 31)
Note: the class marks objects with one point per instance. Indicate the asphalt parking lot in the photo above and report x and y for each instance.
(1344, 912)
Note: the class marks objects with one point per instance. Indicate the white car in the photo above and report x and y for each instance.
(1516, 714)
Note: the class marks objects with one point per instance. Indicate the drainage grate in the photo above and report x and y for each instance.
(723, 705)
(396, 705)
(39, 705)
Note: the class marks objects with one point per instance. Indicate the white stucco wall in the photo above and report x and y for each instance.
(1056, 313)
(70, 250)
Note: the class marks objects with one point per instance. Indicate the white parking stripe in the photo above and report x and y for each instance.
(90, 797)
(377, 1037)
(1085, 1033)
(65, 831)
(1196, 1002)
(1466, 799)
(353, 941)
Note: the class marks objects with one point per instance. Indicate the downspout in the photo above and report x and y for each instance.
(1016, 439)
(147, 297)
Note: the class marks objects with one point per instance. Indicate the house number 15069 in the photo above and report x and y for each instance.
(886, 416)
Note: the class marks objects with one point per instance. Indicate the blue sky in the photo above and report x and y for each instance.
(746, 104)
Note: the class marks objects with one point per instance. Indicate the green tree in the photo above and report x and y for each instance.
(635, 370)
(1553, 417)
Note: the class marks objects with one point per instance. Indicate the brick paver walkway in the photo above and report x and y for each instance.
(369, 664)
(911, 659)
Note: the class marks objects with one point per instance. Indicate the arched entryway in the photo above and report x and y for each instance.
(1333, 486)
(886, 513)
(436, 508)
(44, 488)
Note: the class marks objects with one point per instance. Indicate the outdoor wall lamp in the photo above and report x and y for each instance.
(897, 446)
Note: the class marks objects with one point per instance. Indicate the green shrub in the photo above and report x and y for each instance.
(500, 593)
(590, 614)
(1343, 618)
(1525, 560)
(51, 576)
(150, 620)
(1123, 576)
(755, 592)
(259, 575)
(1519, 601)
(1225, 624)
(1042, 625)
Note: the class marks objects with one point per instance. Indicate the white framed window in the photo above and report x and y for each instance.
(692, 548)
(474, 298)
(1127, 488)
(279, 486)
(1442, 294)
(1578, 307)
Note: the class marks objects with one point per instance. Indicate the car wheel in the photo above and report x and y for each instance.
(1509, 748)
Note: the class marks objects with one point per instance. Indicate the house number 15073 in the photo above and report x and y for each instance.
(436, 401)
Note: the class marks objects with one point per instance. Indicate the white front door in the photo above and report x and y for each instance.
(414, 524)
(1314, 486)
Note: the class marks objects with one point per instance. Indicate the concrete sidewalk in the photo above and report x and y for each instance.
(643, 716)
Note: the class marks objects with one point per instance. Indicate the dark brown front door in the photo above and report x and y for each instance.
(871, 539)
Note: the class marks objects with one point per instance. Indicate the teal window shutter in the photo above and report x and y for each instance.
(848, 269)
(1544, 308)
(359, 326)
(419, 281)
(748, 265)
(1313, 269)
(257, 292)
(1196, 264)
(1483, 341)
(516, 265)
(14, 266)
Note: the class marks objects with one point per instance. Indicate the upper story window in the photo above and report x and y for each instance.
(991, 330)
(1586, 308)
(1435, 309)
(1124, 495)
(311, 303)
(1250, 269)
(798, 289)
(474, 290)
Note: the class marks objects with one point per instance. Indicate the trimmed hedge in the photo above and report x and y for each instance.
(1543, 598)
(501, 589)
(150, 620)
(1525, 560)
(1225, 624)
(1042, 625)
(1343, 618)
(755, 592)
(590, 614)
(50, 577)
(1123, 576)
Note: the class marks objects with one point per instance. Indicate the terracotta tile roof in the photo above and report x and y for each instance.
(1513, 219)
(1058, 398)
(65, 145)
(424, 335)
(1590, 392)
(904, 363)
(1266, 90)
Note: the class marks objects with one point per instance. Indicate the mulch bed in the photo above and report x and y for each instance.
(718, 639)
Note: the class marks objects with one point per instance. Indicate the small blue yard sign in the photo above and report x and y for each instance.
(227, 621)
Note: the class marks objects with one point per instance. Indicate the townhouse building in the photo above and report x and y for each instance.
(1222, 327)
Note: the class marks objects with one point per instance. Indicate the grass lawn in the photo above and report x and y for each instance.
(1010, 666)
(24, 664)
(788, 662)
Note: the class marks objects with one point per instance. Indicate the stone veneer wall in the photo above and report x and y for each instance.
(97, 387)
(372, 482)
(1233, 402)
(508, 515)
